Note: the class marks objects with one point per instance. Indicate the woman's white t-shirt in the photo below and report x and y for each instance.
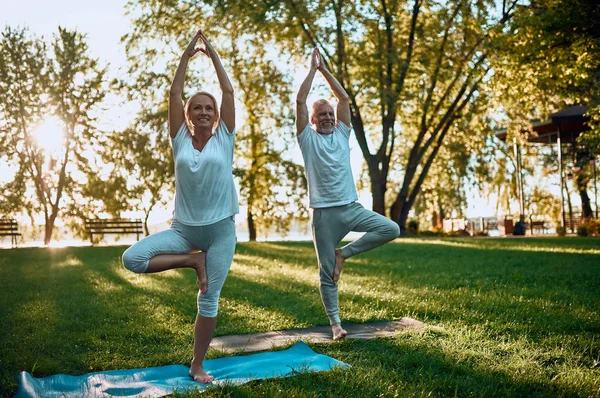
(204, 188)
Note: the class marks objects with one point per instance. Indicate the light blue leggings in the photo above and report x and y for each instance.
(217, 240)
(330, 226)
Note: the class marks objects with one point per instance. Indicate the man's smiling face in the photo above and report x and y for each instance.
(323, 118)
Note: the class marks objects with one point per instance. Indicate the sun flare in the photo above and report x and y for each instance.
(49, 135)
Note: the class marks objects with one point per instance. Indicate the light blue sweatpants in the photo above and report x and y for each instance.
(330, 226)
(217, 240)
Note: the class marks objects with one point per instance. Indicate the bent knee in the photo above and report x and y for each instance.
(133, 262)
(396, 231)
(208, 304)
(393, 230)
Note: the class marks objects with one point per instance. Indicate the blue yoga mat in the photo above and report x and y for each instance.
(165, 380)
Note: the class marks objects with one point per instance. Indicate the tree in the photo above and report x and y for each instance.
(23, 88)
(35, 85)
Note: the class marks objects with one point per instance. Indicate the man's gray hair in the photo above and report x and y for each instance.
(317, 104)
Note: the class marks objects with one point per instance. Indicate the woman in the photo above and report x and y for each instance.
(205, 199)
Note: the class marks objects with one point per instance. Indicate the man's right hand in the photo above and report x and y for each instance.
(315, 60)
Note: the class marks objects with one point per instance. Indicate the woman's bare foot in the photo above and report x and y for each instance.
(200, 268)
(338, 332)
(199, 375)
(339, 263)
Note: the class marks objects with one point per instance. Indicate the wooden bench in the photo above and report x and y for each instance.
(115, 226)
(9, 227)
(538, 226)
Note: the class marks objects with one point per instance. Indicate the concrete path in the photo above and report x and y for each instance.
(319, 334)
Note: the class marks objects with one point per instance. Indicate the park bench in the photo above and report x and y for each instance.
(116, 226)
(9, 227)
(538, 226)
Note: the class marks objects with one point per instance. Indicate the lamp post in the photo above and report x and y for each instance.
(563, 221)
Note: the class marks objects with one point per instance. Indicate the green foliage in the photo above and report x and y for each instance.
(557, 40)
(38, 81)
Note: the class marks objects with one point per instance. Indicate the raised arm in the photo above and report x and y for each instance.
(227, 101)
(343, 105)
(176, 112)
(301, 108)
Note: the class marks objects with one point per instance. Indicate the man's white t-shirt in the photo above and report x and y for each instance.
(327, 166)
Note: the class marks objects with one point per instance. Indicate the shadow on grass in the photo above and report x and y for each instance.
(544, 292)
(68, 311)
(401, 367)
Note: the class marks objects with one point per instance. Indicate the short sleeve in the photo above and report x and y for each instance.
(179, 137)
(342, 128)
(304, 136)
(222, 129)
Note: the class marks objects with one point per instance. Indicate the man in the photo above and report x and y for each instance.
(326, 152)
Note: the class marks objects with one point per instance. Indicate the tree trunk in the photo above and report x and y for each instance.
(581, 182)
(586, 206)
(251, 226)
(146, 232)
(404, 217)
(397, 213)
(377, 188)
(48, 229)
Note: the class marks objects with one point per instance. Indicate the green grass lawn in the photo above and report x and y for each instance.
(521, 316)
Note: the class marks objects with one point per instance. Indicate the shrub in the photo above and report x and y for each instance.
(431, 233)
(589, 228)
(412, 226)
(582, 230)
(561, 231)
(460, 232)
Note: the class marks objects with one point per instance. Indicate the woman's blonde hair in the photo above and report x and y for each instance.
(186, 109)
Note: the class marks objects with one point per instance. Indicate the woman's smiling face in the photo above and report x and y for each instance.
(202, 112)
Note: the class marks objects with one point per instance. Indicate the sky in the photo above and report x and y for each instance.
(104, 23)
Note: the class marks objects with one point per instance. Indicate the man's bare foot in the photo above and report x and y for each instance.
(200, 268)
(339, 263)
(338, 332)
(199, 375)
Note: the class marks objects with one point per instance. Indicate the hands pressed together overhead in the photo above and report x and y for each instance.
(316, 62)
(192, 50)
